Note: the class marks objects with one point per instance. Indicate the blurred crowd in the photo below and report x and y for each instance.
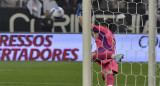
(69, 3)
(72, 4)
(46, 4)
(23, 3)
(38, 7)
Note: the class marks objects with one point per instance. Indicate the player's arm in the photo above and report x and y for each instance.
(92, 26)
(79, 14)
(80, 21)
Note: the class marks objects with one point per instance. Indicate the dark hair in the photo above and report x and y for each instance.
(110, 24)
(79, 1)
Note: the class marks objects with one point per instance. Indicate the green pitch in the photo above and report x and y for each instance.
(29, 73)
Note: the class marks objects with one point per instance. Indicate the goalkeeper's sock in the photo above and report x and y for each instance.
(110, 80)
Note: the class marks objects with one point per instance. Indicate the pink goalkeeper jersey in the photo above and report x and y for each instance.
(105, 38)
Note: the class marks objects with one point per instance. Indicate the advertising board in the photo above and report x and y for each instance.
(68, 47)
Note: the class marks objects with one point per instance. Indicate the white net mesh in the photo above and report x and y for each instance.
(130, 27)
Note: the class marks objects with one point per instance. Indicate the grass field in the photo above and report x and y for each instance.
(29, 73)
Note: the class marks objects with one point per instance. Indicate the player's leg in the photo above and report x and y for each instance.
(109, 78)
(109, 68)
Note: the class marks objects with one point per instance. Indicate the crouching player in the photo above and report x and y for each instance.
(105, 54)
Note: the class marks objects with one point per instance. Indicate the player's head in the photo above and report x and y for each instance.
(79, 1)
(106, 23)
(109, 24)
(47, 13)
(93, 0)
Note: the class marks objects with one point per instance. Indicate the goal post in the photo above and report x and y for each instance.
(128, 72)
(87, 79)
(152, 31)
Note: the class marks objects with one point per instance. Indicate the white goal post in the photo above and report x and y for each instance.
(87, 74)
(87, 78)
(152, 31)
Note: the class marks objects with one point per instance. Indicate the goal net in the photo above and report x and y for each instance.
(130, 26)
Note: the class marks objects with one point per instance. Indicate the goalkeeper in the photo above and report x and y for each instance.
(105, 55)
